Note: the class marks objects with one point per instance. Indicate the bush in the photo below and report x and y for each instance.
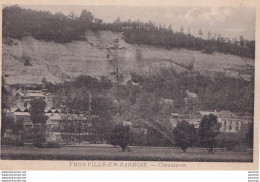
(239, 148)
(230, 145)
(39, 141)
(8, 141)
(19, 143)
(121, 136)
(208, 50)
(53, 145)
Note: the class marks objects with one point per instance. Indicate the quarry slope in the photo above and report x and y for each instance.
(59, 62)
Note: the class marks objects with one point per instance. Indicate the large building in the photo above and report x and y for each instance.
(23, 98)
(230, 122)
(55, 117)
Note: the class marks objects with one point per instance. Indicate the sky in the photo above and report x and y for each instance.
(230, 22)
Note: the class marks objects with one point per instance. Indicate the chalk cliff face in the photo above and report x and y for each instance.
(105, 53)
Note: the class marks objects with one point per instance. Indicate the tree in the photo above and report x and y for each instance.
(209, 128)
(86, 18)
(38, 117)
(250, 135)
(37, 113)
(200, 32)
(117, 20)
(5, 104)
(68, 129)
(121, 136)
(103, 108)
(72, 15)
(209, 35)
(26, 60)
(181, 30)
(242, 41)
(184, 135)
(17, 127)
(7, 123)
(101, 128)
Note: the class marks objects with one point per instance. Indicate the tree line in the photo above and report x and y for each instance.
(141, 103)
(185, 135)
(42, 25)
(217, 92)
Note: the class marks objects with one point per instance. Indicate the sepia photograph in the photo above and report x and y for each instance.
(128, 83)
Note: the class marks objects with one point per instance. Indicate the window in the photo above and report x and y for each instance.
(230, 128)
(224, 125)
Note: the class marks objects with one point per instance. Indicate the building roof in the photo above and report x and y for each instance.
(191, 94)
(175, 114)
(127, 123)
(33, 93)
(21, 113)
(220, 114)
(226, 114)
(166, 101)
(18, 110)
(21, 93)
(203, 113)
(26, 110)
(55, 117)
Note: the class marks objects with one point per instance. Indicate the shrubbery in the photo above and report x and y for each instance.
(10, 141)
(209, 128)
(121, 136)
(53, 145)
(184, 135)
(19, 143)
(7, 141)
(39, 141)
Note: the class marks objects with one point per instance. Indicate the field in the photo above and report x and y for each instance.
(115, 153)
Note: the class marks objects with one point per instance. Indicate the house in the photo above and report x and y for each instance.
(174, 119)
(190, 97)
(23, 98)
(24, 115)
(230, 122)
(55, 117)
(191, 94)
(53, 123)
(127, 123)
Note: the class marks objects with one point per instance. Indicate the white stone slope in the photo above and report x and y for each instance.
(58, 62)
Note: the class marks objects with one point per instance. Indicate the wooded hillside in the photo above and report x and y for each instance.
(42, 25)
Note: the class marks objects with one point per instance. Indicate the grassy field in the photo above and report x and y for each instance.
(115, 153)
